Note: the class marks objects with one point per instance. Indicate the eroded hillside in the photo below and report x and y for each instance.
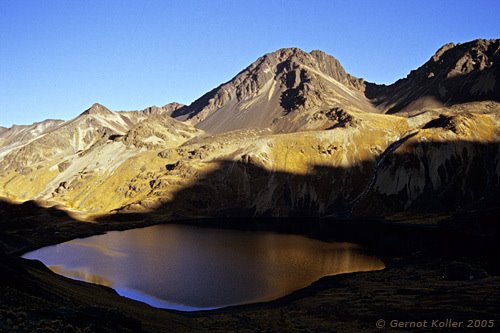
(292, 134)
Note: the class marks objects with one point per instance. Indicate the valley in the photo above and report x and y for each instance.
(291, 144)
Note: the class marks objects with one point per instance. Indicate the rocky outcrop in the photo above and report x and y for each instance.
(167, 109)
(159, 130)
(455, 74)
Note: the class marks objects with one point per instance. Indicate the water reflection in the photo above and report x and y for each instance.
(82, 274)
(190, 268)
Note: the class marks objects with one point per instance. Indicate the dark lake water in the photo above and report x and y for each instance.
(190, 268)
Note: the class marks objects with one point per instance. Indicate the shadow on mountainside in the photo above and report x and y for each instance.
(427, 178)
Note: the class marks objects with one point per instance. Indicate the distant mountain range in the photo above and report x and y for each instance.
(292, 134)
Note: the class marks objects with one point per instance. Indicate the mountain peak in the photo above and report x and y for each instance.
(286, 52)
(315, 59)
(459, 59)
(271, 89)
(97, 109)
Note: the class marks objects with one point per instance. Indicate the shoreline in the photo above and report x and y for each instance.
(416, 258)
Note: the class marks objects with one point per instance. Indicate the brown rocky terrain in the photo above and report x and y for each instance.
(280, 91)
(410, 169)
(455, 74)
(293, 133)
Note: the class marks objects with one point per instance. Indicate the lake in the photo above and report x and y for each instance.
(192, 268)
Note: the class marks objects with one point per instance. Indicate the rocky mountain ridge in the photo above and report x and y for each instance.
(280, 91)
(293, 134)
(309, 82)
(454, 74)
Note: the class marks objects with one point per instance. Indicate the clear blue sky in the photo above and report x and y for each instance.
(59, 57)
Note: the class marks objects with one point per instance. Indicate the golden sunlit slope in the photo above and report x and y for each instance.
(373, 164)
(155, 159)
(17, 136)
(69, 163)
(363, 158)
(292, 134)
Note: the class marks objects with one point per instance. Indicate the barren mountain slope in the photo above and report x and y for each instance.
(455, 74)
(377, 165)
(18, 136)
(293, 134)
(79, 154)
(281, 91)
